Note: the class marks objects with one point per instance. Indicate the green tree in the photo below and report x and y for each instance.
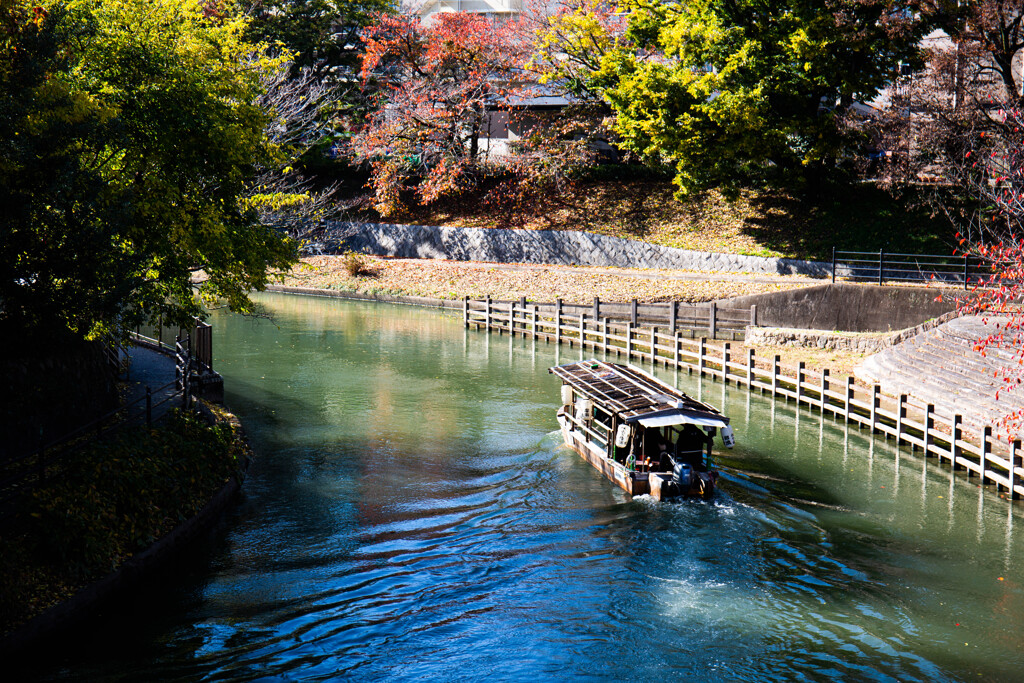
(752, 90)
(128, 132)
(324, 35)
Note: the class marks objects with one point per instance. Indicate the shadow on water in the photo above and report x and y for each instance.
(412, 514)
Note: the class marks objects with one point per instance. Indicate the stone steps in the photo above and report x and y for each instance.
(942, 368)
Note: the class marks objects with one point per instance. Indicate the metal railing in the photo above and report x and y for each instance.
(33, 469)
(882, 266)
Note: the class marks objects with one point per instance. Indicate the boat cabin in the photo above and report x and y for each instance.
(641, 433)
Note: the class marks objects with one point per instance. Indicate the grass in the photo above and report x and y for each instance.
(758, 223)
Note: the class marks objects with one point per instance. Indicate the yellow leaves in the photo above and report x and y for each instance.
(276, 201)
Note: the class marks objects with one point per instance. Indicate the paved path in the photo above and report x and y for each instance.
(155, 370)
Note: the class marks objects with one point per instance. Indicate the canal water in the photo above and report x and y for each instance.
(412, 515)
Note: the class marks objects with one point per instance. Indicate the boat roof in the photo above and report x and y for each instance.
(636, 396)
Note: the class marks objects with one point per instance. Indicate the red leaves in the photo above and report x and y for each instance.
(438, 83)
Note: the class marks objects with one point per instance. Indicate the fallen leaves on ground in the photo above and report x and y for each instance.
(454, 280)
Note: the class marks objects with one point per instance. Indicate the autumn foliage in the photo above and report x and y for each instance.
(435, 83)
(996, 236)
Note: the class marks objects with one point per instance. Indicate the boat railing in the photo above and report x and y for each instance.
(590, 433)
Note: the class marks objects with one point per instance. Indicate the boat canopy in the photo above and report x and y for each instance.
(636, 396)
(667, 418)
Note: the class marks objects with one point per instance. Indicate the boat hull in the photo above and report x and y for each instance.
(659, 485)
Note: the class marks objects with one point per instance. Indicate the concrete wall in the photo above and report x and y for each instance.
(556, 247)
(853, 308)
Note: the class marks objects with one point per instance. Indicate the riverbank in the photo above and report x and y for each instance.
(429, 282)
(109, 512)
(457, 279)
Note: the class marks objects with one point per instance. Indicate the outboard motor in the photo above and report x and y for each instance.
(682, 475)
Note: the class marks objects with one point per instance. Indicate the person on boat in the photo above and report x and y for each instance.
(690, 447)
(661, 461)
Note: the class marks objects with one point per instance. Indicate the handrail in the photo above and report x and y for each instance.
(886, 266)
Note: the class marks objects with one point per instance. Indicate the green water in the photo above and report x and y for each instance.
(412, 515)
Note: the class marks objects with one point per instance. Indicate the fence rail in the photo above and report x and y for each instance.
(712, 319)
(34, 468)
(908, 421)
(882, 266)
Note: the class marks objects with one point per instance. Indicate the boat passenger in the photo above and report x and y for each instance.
(690, 447)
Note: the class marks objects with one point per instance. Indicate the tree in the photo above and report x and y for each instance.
(954, 105)
(280, 195)
(752, 90)
(570, 39)
(129, 131)
(437, 81)
(322, 35)
(997, 238)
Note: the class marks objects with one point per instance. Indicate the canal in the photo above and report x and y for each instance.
(412, 515)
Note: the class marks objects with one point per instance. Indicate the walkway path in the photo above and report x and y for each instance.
(155, 370)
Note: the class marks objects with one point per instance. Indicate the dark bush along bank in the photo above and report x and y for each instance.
(108, 501)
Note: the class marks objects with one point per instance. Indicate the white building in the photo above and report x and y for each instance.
(491, 8)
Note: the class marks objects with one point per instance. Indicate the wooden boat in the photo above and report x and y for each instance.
(642, 434)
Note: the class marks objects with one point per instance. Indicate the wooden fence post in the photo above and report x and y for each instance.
(583, 331)
(954, 447)
(929, 424)
(1015, 464)
(712, 320)
(629, 341)
(533, 320)
(672, 313)
(901, 415)
(849, 398)
(522, 309)
(604, 334)
(876, 400)
(654, 345)
(775, 374)
(824, 390)
(633, 313)
(726, 349)
(487, 313)
(986, 449)
(800, 382)
(753, 316)
(558, 321)
(512, 318)
(750, 368)
(675, 348)
(597, 308)
(465, 311)
(700, 355)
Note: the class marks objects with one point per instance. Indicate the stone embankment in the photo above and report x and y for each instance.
(551, 247)
(836, 341)
(941, 367)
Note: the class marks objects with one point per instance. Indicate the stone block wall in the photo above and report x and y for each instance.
(557, 247)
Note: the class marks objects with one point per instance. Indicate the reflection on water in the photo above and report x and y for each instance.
(413, 515)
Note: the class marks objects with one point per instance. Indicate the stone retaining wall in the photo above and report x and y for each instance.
(814, 339)
(556, 247)
(836, 341)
